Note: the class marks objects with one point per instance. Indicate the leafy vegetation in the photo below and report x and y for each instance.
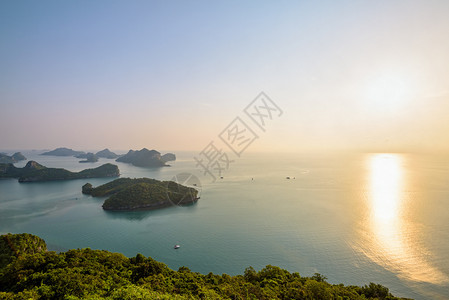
(142, 193)
(15, 245)
(99, 274)
(117, 185)
(36, 172)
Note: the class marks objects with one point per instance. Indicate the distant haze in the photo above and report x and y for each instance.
(360, 75)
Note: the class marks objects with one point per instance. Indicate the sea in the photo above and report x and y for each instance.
(355, 218)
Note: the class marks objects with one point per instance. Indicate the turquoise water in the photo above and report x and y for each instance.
(356, 218)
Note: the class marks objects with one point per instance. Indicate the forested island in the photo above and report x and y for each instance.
(106, 153)
(139, 158)
(89, 157)
(16, 157)
(128, 194)
(34, 171)
(29, 271)
(63, 152)
(146, 158)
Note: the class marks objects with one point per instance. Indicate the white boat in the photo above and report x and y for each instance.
(177, 246)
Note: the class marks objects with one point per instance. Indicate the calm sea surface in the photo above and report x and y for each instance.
(356, 218)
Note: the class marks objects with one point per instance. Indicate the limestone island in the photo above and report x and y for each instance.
(63, 152)
(126, 194)
(90, 157)
(168, 157)
(146, 158)
(5, 159)
(106, 154)
(34, 171)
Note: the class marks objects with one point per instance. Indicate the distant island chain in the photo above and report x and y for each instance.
(125, 194)
(139, 158)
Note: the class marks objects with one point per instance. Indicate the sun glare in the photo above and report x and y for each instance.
(385, 186)
(387, 93)
(391, 241)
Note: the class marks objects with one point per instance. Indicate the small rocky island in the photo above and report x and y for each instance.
(168, 157)
(106, 154)
(34, 171)
(126, 194)
(63, 152)
(5, 159)
(146, 158)
(89, 157)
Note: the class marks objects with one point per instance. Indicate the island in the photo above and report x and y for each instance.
(29, 271)
(146, 158)
(16, 157)
(34, 171)
(82, 155)
(126, 194)
(106, 154)
(63, 152)
(90, 157)
(168, 157)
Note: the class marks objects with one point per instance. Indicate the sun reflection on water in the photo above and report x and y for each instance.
(389, 238)
(386, 185)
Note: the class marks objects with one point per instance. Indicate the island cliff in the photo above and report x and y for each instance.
(142, 194)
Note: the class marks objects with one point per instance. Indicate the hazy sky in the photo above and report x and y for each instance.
(171, 75)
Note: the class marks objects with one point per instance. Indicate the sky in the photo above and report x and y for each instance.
(172, 75)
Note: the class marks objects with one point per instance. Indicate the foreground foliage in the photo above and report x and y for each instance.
(33, 273)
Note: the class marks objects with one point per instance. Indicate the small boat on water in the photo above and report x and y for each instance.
(177, 246)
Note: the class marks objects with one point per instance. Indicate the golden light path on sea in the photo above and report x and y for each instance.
(391, 238)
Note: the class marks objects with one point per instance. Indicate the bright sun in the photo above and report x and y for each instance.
(387, 93)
